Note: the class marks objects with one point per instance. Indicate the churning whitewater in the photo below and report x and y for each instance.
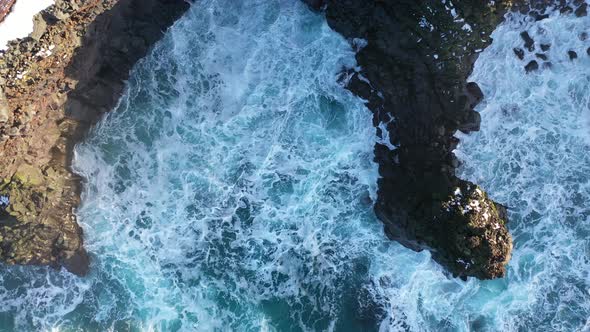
(533, 155)
(232, 189)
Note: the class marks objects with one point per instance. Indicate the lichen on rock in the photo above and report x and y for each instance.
(480, 244)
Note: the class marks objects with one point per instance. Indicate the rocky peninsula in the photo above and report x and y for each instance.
(54, 85)
(415, 58)
(5, 7)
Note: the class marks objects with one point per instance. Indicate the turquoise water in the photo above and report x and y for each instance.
(232, 187)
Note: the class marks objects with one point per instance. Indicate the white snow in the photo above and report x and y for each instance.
(19, 23)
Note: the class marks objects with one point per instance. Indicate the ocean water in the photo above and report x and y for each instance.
(231, 190)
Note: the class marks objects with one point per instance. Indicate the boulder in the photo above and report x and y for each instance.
(471, 122)
(531, 66)
(418, 77)
(39, 27)
(4, 113)
(541, 56)
(28, 175)
(582, 10)
(572, 55)
(519, 52)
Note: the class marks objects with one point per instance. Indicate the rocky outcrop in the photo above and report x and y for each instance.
(415, 58)
(531, 48)
(5, 7)
(53, 86)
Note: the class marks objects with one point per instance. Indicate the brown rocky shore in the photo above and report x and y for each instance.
(415, 59)
(54, 85)
(5, 7)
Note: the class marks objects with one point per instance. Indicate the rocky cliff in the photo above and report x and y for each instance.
(53, 86)
(415, 58)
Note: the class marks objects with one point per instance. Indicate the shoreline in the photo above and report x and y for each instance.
(56, 84)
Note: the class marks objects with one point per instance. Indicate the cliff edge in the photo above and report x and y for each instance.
(54, 85)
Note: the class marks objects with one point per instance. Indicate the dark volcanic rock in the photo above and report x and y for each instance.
(545, 47)
(471, 122)
(474, 92)
(418, 57)
(315, 4)
(5, 7)
(115, 43)
(531, 66)
(53, 87)
(537, 16)
(541, 56)
(566, 10)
